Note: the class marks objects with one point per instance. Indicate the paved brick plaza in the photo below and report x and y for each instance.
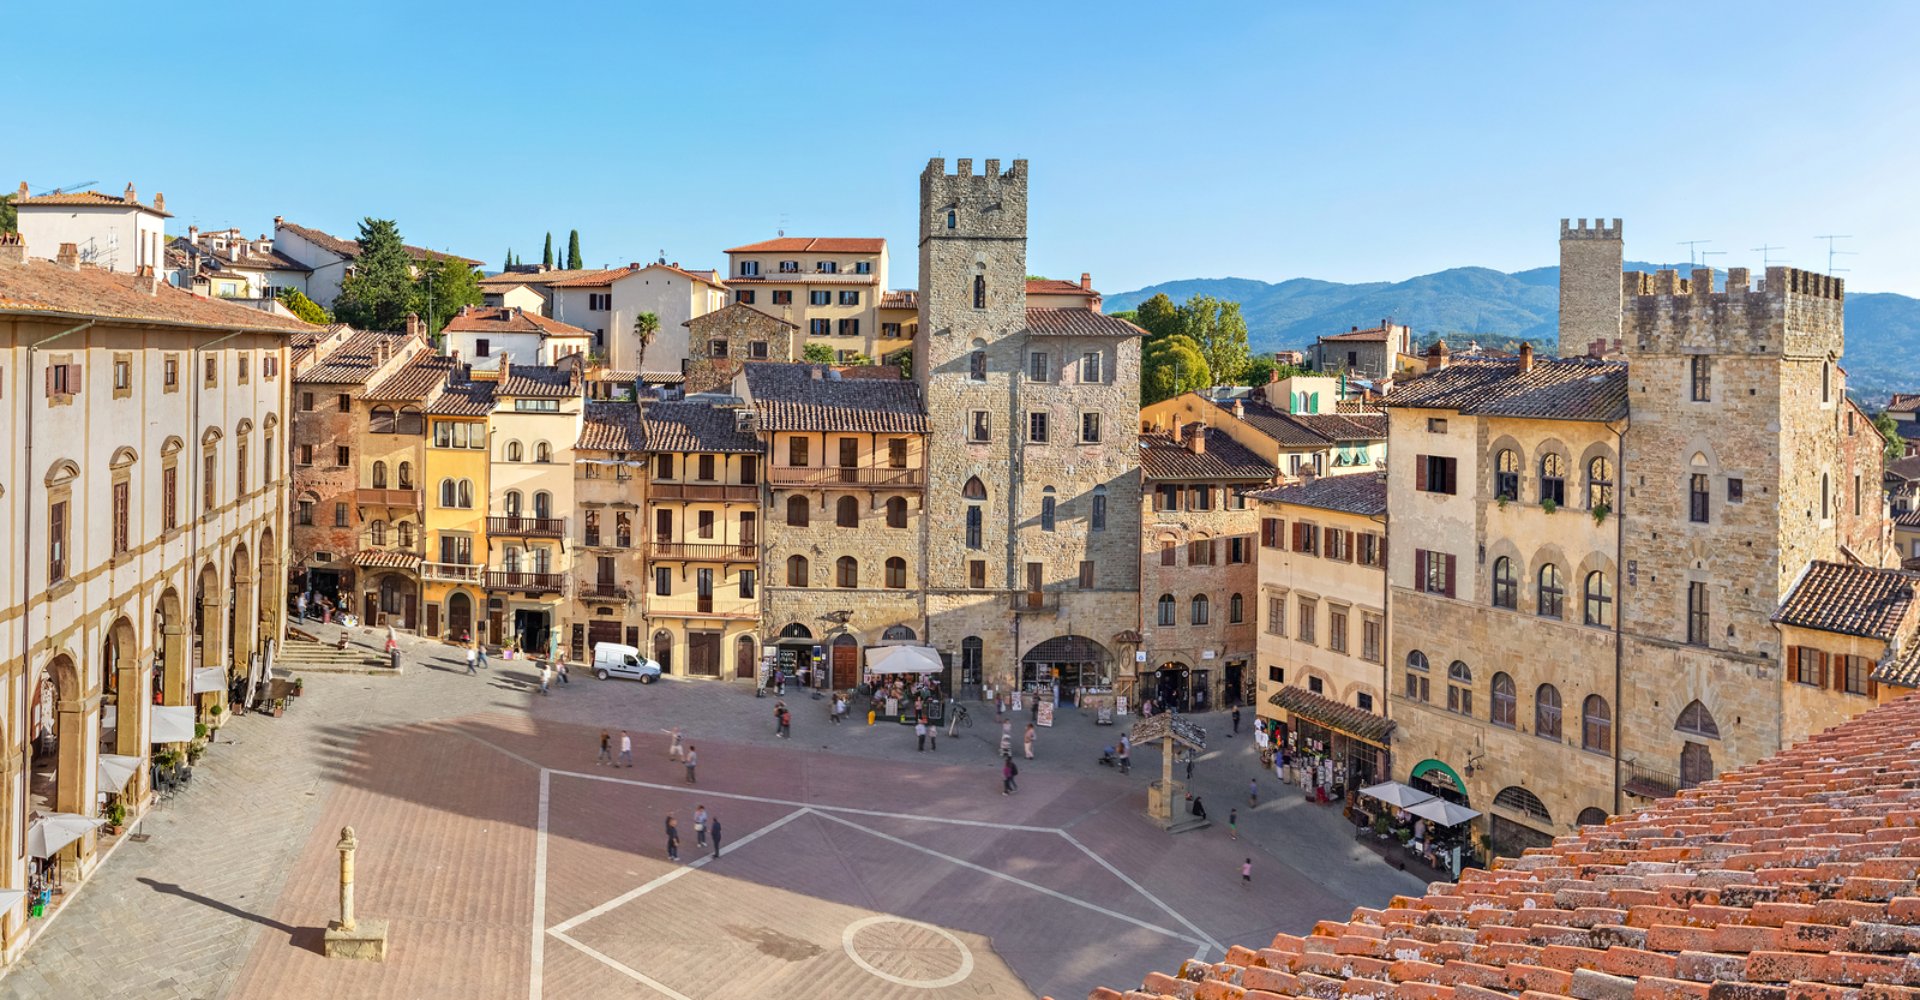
(867, 871)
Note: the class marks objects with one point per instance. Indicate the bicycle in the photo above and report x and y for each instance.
(960, 717)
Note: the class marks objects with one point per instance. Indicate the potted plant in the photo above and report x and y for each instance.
(1549, 505)
(279, 707)
(1600, 512)
(195, 750)
(216, 715)
(200, 731)
(299, 686)
(116, 817)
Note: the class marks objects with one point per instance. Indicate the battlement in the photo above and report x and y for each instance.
(1570, 230)
(1780, 283)
(969, 205)
(937, 167)
(1791, 313)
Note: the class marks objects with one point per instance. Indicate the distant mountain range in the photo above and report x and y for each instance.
(1883, 328)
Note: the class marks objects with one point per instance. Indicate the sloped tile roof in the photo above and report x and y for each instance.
(469, 399)
(507, 279)
(91, 199)
(538, 382)
(386, 559)
(611, 427)
(272, 260)
(1078, 323)
(814, 244)
(1058, 286)
(1911, 519)
(686, 427)
(1790, 879)
(353, 362)
(900, 298)
(509, 319)
(1553, 389)
(806, 278)
(1359, 493)
(1902, 668)
(1344, 426)
(1334, 715)
(589, 279)
(1162, 458)
(414, 382)
(351, 248)
(42, 287)
(1905, 468)
(1904, 402)
(1361, 336)
(1848, 599)
(1310, 429)
(788, 397)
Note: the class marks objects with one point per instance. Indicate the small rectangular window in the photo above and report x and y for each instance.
(797, 452)
(1736, 490)
(977, 573)
(1701, 370)
(662, 581)
(1697, 498)
(1090, 428)
(850, 297)
(342, 456)
(706, 468)
(1090, 367)
(819, 298)
(340, 515)
(170, 373)
(346, 402)
(1436, 425)
(1276, 615)
(980, 426)
(1037, 428)
(1037, 366)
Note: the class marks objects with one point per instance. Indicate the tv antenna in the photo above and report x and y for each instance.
(1832, 253)
(1692, 257)
(1766, 254)
(67, 189)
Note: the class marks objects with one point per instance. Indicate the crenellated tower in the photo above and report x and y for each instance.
(1591, 257)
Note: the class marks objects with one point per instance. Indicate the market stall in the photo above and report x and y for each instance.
(1420, 826)
(904, 683)
(1330, 747)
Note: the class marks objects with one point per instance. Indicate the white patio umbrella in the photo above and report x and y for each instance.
(1442, 812)
(50, 833)
(172, 723)
(115, 770)
(207, 679)
(1395, 794)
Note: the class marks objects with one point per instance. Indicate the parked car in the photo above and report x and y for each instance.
(611, 659)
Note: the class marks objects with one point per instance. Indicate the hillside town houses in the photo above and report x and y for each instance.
(1545, 589)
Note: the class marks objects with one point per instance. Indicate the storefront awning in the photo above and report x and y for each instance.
(1396, 794)
(115, 770)
(904, 660)
(1349, 720)
(172, 723)
(49, 834)
(209, 679)
(1442, 812)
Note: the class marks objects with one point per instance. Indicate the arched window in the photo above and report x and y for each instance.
(406, 475)
(405, 531)
(377, 532)
(512, 503)
(846, 512)
(976, 518)
(1553, 592)
(1599, 483)
(1097, 517)
(896, 573)
(543, 504)
(974, 489)
(1459, 688)
(1416, 660)
(543, 452)
(1503, 701)
(797, 511)
(1553, 479)
(1506, 589)
(1599, 603)
(973, 656)
(512, 451)
(1046, 509)
(1165, 610)
(379, 475)
(1592, 816)
(1236, 610)
(466, 494)
(1198, 614)
(410, 420)
(796, 571)
(1596, 725)
(1417, 680)
(380, 420)
(977, 365)
(1522, 801)
(449, 493)
(1697, 720)
(979, 291)
(953, 219)
(1546, 712)
(846, 572)
(896, 512)
(1506, 475)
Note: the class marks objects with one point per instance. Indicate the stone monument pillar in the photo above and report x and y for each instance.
(348, 937)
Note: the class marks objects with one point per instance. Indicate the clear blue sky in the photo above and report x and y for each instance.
(1341, 141)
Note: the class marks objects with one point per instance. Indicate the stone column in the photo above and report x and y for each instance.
(351, 937)
(347, 846)
(79, 737)
(176, 688)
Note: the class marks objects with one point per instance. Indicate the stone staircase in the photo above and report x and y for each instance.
(302, 653)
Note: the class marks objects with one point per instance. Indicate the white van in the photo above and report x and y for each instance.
(611, 659)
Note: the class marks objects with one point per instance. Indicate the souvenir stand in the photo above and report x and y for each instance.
(904, 683)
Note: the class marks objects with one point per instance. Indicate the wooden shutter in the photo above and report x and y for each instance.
(74, 380)
(1346, 552)
(1420, 472)
(50, 380)
(1380, 550)
(1793, 663)
(1822, 655)
(1449, 590)
(1420, 569)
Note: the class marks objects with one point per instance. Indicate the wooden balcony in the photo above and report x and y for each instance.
(703, 491)
(375, 497)
(600, 590)
(527, 527)
(452, 572)
(703, 552)
(532, 583)
(1035, 601)
(834, 476)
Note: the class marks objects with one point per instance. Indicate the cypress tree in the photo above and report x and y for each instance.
(546, 256)
(573, 250)
(508, 266)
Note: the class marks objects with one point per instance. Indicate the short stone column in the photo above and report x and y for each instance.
(350, 937)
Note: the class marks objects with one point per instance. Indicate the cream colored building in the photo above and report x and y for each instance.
(143, 491)
(830, 287)
(485, 337)
(1291, 423)
(532, 430)
(609, 303)
(118, 233)
(609, 567)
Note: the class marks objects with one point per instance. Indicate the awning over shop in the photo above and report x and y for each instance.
(1439, 774)
(115, 770)
(49, 834)
(1442, 812)
(172, 723)
(1396, 794)
(1348, 720)
(904, 660)
(209, 679)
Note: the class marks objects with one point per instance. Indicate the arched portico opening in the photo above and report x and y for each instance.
(123, 715)
(273, 599)
(460, 616)
(63, 722)
(794, 649)
(1064, 663)
(171, 657)
(241, 615)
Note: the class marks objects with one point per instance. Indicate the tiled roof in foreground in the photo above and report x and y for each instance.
(1791, 879)
(1849, 599)
(1551, 389)
(796, 396)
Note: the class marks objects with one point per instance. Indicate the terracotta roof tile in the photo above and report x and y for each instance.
(1163, 458)
(589, 279)
(272, 260)
(612, 427)
(1058, 286)
(93, 199)
(1356, 493)
(808, 278)
(1361, 336)
(413, 382)
(1078, 323)
(353, 362)
(44, 287)
(509, 319)
(814, 244)
(463, 399)
(1310, 429)
(686, 427)
(1904, 468)
(1849, 599)
(538, 382)
(351, 248)
(900, 298)
(1335, 715)
(507, 279)
(386, 559)
(1790, 879)
(1553, 389)
(792, 396)
(1904, 402)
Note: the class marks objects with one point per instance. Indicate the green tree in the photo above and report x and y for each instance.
(444, 286)
(857, 358)
(1158, 316)
(819, 354)
(546, 255)
(1257, 372)
(903, 358)
(646, 326)
(573, 251)
(1172, 365)
(1221, 333)
(9, 216)
(508, 266)
(379, 292)
(308, 310)
(1890, 429)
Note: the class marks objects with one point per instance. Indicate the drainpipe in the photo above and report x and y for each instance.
(1619, 606)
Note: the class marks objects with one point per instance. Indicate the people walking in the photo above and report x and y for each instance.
(933, 736)
(472, 658)
(1253, 792)
(1236, 720)
(786, 723)
(677, 750)
(626, 748)
(560, 671)
(1029, 741)
(1246, 873)
(546, 675)
(1126, 754)
(779, 710)
(673, 839)
(700, 826)
(1007, 772)
(606, 749)
(920, 731)
(1189, 767)
(690, 762)
(1233, 824)
(483, 654)
(839, 708)
(714, 830)
(301, 605)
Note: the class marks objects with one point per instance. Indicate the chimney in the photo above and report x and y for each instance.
(815, 369)
(633, 265)
(13, 249)
(159, 202)
(1354, 329)
(1526, 356)
(1273, 376)
(414, 327)
(193, 234)
(1240, 408)
(277, 222)
(506, 367)
(1086, 282)
(131, 197)
(1197, 442)
(69, 256)
(1437, 356)
(22, 193)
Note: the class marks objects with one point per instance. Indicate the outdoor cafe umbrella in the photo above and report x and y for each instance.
(1395, 794)
(115, 770)
(50, 833)
(1442, 812)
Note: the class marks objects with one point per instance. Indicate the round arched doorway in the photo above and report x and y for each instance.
(746, 658)
(793, 649)
(1172, 687)
(1063, 664)
(460, 617)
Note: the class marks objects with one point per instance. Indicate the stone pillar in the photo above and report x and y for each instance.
(78, 732)
(349, 936)
(129, 734)
(347, 846)
(176, 689)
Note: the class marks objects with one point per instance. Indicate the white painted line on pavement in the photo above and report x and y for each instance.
(538, 963)
(632, 973)
(1142, 890)
(524, 760)
(1023, 883)
(700, 862)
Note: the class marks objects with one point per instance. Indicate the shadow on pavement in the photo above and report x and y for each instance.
(306, 938)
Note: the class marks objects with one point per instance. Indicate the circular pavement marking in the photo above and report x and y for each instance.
(908, 946)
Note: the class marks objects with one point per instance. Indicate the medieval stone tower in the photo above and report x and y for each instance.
(1033, 473)
(1731, 485)
(1590, 262)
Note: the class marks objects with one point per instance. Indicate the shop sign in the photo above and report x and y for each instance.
(1044, 717)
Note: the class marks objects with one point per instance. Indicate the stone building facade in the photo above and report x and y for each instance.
(609, 566)
(1028, 409)
(1590, 298)
(727, 338)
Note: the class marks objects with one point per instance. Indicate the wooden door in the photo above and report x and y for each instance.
(849, 459)
(1033, 585)
(460, 617)
(410, 611)
(703, 654)
(601, 631)
(433, 620)
(846, 664)
(746, 659)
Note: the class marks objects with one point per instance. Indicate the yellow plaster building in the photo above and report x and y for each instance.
(457, 476)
